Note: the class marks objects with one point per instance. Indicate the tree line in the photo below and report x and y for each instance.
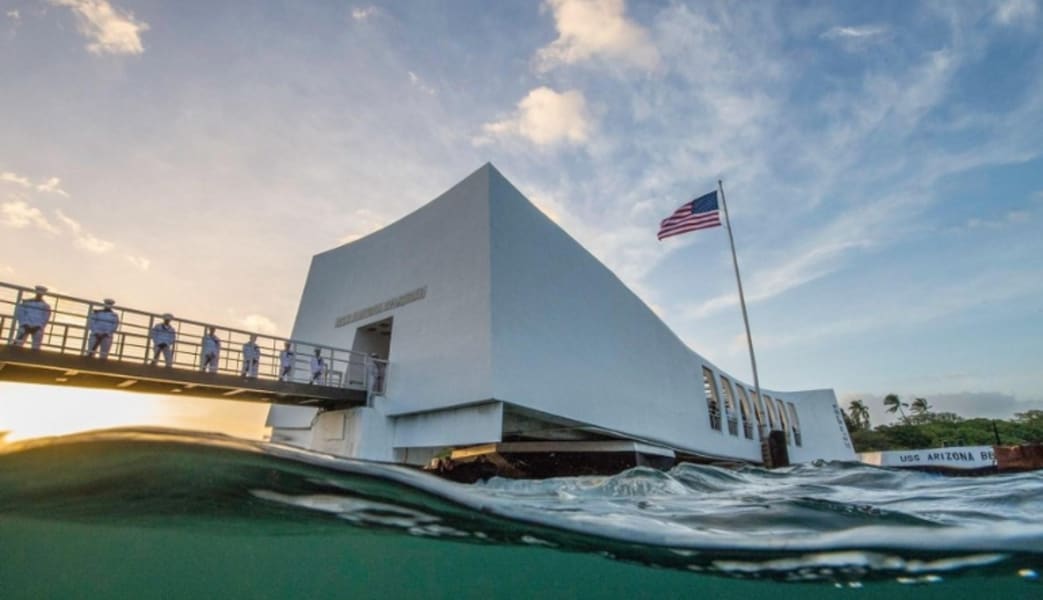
(918, 426)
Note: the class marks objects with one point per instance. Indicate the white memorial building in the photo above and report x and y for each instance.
(505, 337)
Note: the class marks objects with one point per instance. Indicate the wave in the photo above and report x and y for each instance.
(834, 522)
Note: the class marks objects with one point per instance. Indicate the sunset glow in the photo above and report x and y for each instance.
(30, 411)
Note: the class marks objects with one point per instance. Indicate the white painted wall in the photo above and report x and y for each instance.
(440, 345)
(569, 338)
(475, 424)
(824, 436)
(363, 432)
(518, 311)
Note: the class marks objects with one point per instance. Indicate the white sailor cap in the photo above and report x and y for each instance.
(41, 289)
(167, 316)
(108, 302)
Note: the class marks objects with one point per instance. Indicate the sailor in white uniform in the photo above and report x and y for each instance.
(210, 352)
(102, 323)
(372, 375)
(251, 358)
(286, 359)
(318, 368)
(163, 338)
(32, 316)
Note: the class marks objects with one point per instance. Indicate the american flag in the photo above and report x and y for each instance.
(700, 213)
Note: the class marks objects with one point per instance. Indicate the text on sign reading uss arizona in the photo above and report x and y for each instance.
(380, 307)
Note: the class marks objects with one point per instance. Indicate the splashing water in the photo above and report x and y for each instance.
(139, 513)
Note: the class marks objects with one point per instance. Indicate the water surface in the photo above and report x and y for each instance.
(164, 514)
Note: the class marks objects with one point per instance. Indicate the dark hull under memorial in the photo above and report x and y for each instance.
(512, 351)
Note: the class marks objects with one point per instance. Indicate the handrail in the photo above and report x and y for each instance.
(67, 333)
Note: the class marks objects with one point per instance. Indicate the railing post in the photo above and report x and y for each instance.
(14, 321)
(366, 359)
(87, 330)
(148, 336)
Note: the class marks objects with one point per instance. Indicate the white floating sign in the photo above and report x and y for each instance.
(964, 458)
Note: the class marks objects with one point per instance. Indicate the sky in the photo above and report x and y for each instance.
(883, 165)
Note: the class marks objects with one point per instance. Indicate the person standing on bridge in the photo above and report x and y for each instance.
(372, 376)
(318, 368)
(286, 359)
(251, 357)
(32, 315)
(211, 351)
(102, 323)
(163, 337)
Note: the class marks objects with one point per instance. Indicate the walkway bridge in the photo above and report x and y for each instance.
(62, 358)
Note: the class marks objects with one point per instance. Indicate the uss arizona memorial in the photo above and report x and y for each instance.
(510, 345)
(503, 347)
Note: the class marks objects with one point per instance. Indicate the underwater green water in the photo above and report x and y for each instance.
(56, 560)
(147, 515)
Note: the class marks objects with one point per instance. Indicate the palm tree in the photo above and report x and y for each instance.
(920, 407)
(894, 405)
(859, 414)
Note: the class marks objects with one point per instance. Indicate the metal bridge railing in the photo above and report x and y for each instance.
(67, 333)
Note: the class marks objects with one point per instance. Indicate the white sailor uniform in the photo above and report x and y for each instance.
(286, 360)
(372, 375)
(32, 315)
(318, 369)
(103, 324)
(163, 337)
(251, 359)
(210, 353)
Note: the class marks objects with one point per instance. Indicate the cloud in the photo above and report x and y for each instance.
(139, 262)
(16, 179)
(260, 324)
(589, 29)
(990, 405)
(364, 222)
(52, 186)
(19, 215)
(983, 404)
(110, 30)
(363, 13)
(861, 32)
(73, 225)
(14, 15)
(824, 255)
(85, 240)
(93, 244)
(420, 85)
(1013, 12)
(545, 118)
(1011, 217)
(894, 311)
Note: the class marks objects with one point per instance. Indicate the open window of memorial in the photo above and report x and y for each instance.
(783, 419)
(758, 410)
(729, 406)
(769, 407)
(794, 422)
(713, 403)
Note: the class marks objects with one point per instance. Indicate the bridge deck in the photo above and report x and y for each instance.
(68, 370)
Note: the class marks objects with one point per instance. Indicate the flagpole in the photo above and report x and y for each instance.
(742, 297)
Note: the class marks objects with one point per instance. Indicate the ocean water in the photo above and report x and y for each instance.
(170, 514)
